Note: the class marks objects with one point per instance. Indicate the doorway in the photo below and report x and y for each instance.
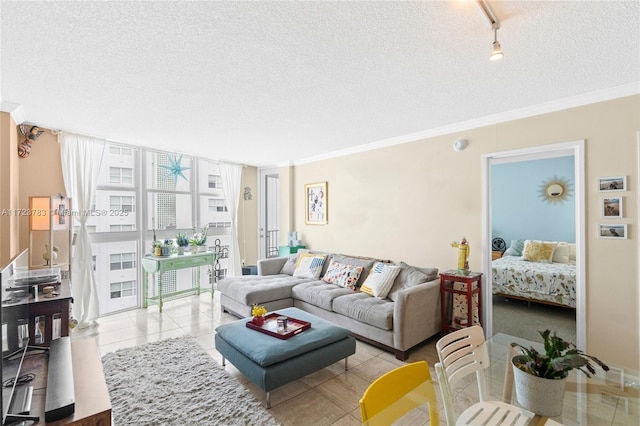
(574, 149)
(269, 213)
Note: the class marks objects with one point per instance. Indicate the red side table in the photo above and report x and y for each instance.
(469, 279)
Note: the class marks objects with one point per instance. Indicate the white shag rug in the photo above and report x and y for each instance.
(175, 382)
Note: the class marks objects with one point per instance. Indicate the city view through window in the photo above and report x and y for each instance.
(143, 192)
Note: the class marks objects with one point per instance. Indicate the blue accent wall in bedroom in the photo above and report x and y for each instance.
(518, 209)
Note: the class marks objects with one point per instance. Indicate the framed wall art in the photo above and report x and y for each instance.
(612, 207)
(617, 231)
(316, 203)
(613, 183)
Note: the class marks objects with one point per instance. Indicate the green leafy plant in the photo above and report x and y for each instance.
(182, 240)
(199, 237)
(559, 358)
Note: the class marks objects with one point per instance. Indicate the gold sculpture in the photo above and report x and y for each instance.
(463, 254)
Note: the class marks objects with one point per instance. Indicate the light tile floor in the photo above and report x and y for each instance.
(329, 397)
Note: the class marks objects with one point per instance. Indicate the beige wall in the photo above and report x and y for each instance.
(248, 217)
(41, 174)
(9, 190)
(408, 202)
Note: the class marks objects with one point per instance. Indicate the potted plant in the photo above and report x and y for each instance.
(182, 241)
(199, 239)
(540, 377)
(258, 313)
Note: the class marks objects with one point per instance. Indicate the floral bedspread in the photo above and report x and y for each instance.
(550, 282)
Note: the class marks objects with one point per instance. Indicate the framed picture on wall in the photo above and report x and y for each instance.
(315, 203)
(616, 231)
(613, 183)
(612, 207)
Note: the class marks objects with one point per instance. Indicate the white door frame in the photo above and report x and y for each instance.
(577, 149)
(262, 202)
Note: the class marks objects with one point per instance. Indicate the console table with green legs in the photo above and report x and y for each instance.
(159, 264)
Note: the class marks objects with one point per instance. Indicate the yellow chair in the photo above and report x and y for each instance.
(397, 392)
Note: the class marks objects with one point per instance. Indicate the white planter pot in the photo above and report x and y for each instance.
(180, 250)
(538, 395)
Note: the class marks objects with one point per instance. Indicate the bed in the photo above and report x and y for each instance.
(548, 281)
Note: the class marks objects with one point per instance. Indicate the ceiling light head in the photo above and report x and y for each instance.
(496, 53)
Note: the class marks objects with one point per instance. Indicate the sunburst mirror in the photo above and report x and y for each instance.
(555, 190)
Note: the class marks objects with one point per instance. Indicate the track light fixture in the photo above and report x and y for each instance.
(496, 53)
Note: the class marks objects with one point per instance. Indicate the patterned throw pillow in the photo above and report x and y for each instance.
(343, 275)
(380, 280)
(309, 265)
(535, 251)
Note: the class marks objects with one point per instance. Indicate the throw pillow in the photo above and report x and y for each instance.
(289, 266)
(410, 276)
(343, 275)
(535, 251)
(561, 254)
(515, 249)
(366, 263)
(380, 280)
(309, 265)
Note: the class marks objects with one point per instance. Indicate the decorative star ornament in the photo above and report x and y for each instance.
(175, 168)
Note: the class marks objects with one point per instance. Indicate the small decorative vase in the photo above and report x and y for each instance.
(157, 251)
(202, 249)
(259, 321)
(166, 251)
(180, 250)
(194, 249)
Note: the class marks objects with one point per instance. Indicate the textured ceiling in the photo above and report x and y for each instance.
(265, 83)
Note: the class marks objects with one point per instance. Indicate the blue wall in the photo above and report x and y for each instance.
(518, 210)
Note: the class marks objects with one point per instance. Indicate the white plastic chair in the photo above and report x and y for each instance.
(462, 353)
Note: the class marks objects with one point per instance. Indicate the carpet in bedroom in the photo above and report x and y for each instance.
(175, 382)
(514, 317)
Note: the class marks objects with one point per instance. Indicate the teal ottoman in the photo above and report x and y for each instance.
(270, 362)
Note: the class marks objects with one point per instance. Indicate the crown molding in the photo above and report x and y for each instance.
(545, 108)
(15, 110)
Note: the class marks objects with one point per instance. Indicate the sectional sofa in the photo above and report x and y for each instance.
(348, 291)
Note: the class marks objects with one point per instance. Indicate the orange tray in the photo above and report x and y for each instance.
(270, 326)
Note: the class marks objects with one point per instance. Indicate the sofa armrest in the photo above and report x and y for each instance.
(416, 314)
(271, 266)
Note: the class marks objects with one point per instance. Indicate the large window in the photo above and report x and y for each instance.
(141, 193)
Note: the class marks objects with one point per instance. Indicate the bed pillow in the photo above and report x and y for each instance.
(515, 249)
(343, 275)
(561, 253)
(380, 280)
(309, 265)
(538, 251)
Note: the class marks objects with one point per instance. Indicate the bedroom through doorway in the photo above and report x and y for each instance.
(534, 204)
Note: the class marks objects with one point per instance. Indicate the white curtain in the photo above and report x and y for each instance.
(231, 175)
(81, 160)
